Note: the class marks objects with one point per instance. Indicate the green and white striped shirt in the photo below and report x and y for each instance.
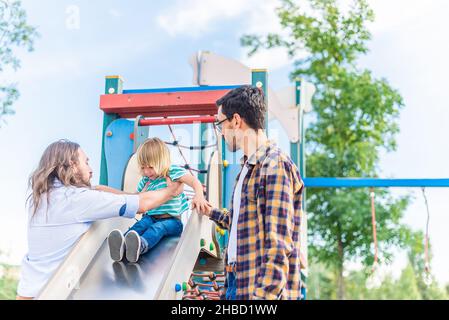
(176, 205)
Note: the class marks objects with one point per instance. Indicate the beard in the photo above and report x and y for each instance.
(233, 145)
(88, 184)
(82, 181)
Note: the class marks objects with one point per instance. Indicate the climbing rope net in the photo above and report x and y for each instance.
(176, 143)
(204, 286)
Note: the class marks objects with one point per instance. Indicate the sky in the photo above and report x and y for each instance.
(149, 43)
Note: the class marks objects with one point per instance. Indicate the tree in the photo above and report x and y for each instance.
(321, 282)
(355, 117)
(406, 287)
(14, 33)
(425, 280)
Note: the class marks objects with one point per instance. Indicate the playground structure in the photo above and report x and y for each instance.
(189, 267)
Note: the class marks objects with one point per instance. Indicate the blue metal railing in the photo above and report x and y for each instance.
(180, 89)
(373, 182)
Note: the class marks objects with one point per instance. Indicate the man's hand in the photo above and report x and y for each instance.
(175, 188)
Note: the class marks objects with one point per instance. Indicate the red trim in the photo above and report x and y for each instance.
(167, 121)
(162, 104)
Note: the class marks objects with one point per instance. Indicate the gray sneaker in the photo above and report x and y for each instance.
(132, 243)
(116, 243)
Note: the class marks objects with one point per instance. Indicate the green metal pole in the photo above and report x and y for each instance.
(295, 146)
(223, 173)
(114, 85)
(203, 142)
(259, 79)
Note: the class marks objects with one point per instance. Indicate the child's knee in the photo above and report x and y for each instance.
(174, 227)
(179, 227)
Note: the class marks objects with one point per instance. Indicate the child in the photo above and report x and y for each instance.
(153, 158)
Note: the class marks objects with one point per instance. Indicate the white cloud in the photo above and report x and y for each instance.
(263, 20)
(195, 17)
(390, 15)
(270, 59)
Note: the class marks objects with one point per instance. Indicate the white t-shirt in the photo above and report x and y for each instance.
(232, 244)
(55, 228)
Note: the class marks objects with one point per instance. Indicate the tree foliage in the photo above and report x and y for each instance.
(322, 283)
(355, 117)
(15, 33)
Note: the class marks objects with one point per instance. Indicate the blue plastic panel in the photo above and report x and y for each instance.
(118, 149)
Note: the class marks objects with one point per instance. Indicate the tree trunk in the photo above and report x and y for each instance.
(341, 285)
(340, 279)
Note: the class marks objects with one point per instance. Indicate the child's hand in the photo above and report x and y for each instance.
(201, 204)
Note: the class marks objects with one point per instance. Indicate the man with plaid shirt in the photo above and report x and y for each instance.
(263, 257)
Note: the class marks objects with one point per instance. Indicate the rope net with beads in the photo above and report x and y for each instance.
(179, 146)
(204, 286)
(201, 285)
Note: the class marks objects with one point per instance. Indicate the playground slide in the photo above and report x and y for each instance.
(89, 273)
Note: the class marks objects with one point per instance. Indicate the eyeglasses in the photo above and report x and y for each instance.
(219, 125)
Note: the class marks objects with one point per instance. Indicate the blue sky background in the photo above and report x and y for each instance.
(148, 43)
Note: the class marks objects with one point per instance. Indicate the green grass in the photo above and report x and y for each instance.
(8, 288)
(8, 283)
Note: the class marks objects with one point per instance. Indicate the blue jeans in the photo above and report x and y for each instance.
(153, 230)
(232, 286)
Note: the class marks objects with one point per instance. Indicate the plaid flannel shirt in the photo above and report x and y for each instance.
(268, 234)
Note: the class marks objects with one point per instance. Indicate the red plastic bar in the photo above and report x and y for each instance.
(169, 104)
(167, 121)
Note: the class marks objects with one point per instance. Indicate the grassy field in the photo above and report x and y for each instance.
(9, 277)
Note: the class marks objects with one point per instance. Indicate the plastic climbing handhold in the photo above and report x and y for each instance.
(203, 261)
(202, 242)
(220, 230)
(109, 134)
(211, 247)
(178, 287)
(184, 286)
(131, 136)
(225, 163)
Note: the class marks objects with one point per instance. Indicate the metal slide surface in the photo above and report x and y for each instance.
(105, 279)
(154, 276)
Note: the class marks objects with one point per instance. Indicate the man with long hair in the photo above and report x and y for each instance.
(62, 206)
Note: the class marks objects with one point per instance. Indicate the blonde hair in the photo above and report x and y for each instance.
(58, 161)
(154, 153)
